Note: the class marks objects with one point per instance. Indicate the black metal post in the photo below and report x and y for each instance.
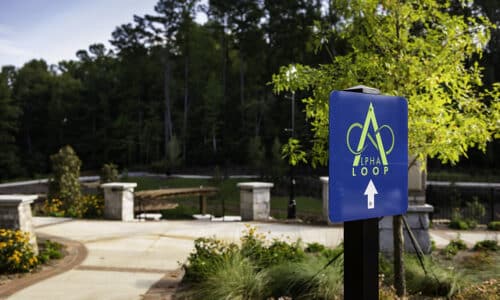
(292, 205)
(361, 246)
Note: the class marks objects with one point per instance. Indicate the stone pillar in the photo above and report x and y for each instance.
(15, 213)
(255, 200)
(417, 215)
(119, 200)
(324, 184)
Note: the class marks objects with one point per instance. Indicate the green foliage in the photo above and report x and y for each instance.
(306, 279)
(292, 151)
(453, 247)
(256, 153)
(65, 183)
(232, 278)
(264, 254)
(9, 114)
(439, 281)
(50, 250)
(109, 173)
(208, 255)
(476, 209)
(459, 224)
(422, 51)
(87, 206)
(277, 163)
(494, 225)
(174, 153)
(486, 245)
(16, 253)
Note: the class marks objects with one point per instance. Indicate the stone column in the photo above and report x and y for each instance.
(119, 200)
(255, 200)
(15, 213)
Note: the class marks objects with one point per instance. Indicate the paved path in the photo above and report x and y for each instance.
(127, 259)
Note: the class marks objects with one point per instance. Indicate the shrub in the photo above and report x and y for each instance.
(65, 184)
(453, 247)
(488, 290)
(494, 225)
(86, 206)
(476, 209)
(208, 254)
(109, 173)
(16, 253)
(254, 246)
(53, 207)
(462, 224)
(486, 245)
(159, 166)
(458, 224)
(50, 250)
(256, 154)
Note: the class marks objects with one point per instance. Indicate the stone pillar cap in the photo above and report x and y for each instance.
(17, 199)
(122, 185)
(324, 179)
(255, 185)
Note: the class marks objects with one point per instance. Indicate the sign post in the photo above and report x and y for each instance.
(368, 166)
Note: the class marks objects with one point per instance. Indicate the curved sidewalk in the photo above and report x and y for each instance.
(127, 259)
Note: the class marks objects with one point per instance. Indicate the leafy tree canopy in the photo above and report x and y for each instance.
(422, 50)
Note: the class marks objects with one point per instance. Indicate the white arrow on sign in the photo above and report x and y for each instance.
(370, 192)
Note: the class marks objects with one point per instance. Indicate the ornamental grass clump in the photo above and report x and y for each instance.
(16, 252)
(234, 277)
(438, 281)
(310, 278)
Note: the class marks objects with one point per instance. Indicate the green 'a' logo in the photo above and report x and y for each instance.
(376, 142)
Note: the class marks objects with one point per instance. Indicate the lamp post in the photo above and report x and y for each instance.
(292, 204)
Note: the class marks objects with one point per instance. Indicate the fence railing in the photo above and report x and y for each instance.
(469, 199)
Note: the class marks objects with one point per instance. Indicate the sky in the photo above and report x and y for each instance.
(56, 29)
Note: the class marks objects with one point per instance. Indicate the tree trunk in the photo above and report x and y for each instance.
(399, 272)
(186, 107)
(167, 112)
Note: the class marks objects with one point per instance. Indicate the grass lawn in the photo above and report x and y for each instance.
(227, 201)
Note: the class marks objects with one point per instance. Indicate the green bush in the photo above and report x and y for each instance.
(65, 183)
(254, 246)
(494, 225)
(109, 173)
(86, 206)
(476, 209)
(208, 255)
(453, 247)
(462, 224)
(486, 245)
(16, 253)
(50, 250)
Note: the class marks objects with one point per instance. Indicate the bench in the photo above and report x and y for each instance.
(154, 200)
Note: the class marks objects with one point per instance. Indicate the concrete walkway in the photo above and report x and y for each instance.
(125, 259)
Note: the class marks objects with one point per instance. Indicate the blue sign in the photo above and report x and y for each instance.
(368, 156)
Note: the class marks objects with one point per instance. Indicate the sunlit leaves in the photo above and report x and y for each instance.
(416, 49)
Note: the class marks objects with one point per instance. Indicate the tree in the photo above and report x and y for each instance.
(9, 114)
(420, 50)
